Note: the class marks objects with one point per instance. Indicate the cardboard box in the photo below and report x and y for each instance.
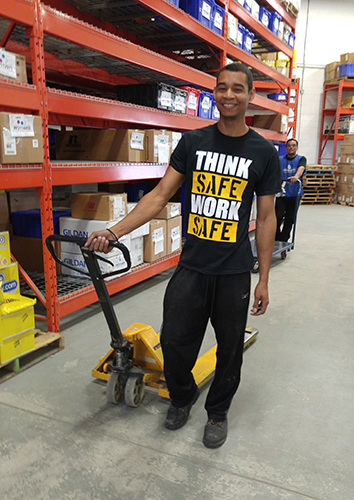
(29, 253)
(348, 57)
(77, 260)
(346, 159)
(98, 206)
(142, 230)
(346, 149)
(331, 71)
(71, 226)
(137, 251)
(9, 278)
(347, 168)
(348, 139)
(5, 254)
(24, 199)
(278, 123)
(21, 138)
(347, 102)
(158, 145)
(155, 242)
(126, 145)
(171, 210)
(4, 212)
(12, 66)
(232, 23)
(174, 235)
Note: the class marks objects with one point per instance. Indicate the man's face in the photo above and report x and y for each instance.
(291, 149)
(231, 94)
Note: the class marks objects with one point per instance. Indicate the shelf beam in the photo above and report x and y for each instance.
(20, 11)
(20, 176)
(18, 95)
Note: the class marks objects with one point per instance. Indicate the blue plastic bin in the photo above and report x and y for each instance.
(28, 222)
(205, 104)
(277, 96)
(274, 23)
(247, 40)
(240, 33)
(215, 114)
(264, 17)
(175, 2)
(218, 19)
(346, 69)
(291, 40)
(135, 190)
(199, 9)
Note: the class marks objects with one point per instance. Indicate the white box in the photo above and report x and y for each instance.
(142, 230)
(137, 251)
(77, 260)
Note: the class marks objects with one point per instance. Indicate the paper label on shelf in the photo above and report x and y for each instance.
(166, 98)
(9, 143)
(180, 104)
(192, 102)
(163, 153)
(206, 10)
(218, 21)
(137, 141)
(21, 125)
(7, 64)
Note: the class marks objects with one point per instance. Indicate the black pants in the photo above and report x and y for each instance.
(192, 299)
(285, 211)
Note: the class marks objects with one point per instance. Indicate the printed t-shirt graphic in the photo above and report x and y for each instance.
(218, 183)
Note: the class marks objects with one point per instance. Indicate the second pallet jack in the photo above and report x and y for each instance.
(135, 359)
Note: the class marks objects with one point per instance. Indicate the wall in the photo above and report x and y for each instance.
(323, 32)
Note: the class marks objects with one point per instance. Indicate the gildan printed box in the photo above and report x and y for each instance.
(98, 206)
(21, 139)
(78, 262)
(155, 242)
(71, 226)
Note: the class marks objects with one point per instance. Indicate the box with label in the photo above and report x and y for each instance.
(98, 206)
(142, 230)
(348, 139)
(12, 66)
(172, 209)
(77, 261)
(158, 145)
(232, 22)
(278, 123)
(174, 235)
(5, 254)
(71, 226)
(100, 145)
(21, 138)
(155, 242)
(9, 278)
(16, 314)
(137, 251)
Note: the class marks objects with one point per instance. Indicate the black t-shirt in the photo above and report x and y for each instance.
(222, 175)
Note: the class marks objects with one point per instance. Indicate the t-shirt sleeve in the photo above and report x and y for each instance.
(302, 163)
(178, 157)
(271, 181)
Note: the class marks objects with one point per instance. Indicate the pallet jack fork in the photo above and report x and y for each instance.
(135, 359)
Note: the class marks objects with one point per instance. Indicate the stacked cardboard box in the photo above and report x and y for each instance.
(12, 66)
(21, 138)
(345, 172)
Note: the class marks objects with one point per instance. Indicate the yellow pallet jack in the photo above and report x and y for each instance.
(135, 359)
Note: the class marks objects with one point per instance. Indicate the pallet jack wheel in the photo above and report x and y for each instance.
(283, 255)
(134, 391)
(255, 268)
(114, 388)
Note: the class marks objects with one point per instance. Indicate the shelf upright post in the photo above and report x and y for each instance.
(321, 146)
(339, 101)
(45, 191)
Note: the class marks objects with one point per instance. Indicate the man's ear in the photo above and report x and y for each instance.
(252, 94)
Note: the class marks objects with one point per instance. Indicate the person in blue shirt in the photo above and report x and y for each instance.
(293, 167)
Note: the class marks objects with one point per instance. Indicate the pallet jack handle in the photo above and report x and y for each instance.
(122, 347)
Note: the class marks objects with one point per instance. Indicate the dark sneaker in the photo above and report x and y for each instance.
(177, 417)
(215, 433)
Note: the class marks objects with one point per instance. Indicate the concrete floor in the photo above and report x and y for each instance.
(291, 425)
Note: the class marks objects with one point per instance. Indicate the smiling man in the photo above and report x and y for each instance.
(223, 165)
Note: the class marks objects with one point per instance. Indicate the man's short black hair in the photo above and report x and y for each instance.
(239, 67)
(289, 140)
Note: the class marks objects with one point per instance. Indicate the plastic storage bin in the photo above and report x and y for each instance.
(240, 33)
(205, 104)
(264, 17)
(28, 222)
(291, 40)
(215, 114)
(274, 23)
(192, 100)
(153, 95)
(277, 96)
(180, 100)
(199, 9)
(135, 190)
(247, 40)
(346, 69)
(248, 5)
(175, 2)
(218, 19)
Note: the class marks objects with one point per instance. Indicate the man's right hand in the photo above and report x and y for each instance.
(99, 241)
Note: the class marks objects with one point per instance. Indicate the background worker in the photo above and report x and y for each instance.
(293, 167)
(223, 164)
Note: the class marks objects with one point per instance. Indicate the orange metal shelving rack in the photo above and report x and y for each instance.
(48, 20)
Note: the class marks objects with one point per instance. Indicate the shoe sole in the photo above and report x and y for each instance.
(174, 427)
(214, 445)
